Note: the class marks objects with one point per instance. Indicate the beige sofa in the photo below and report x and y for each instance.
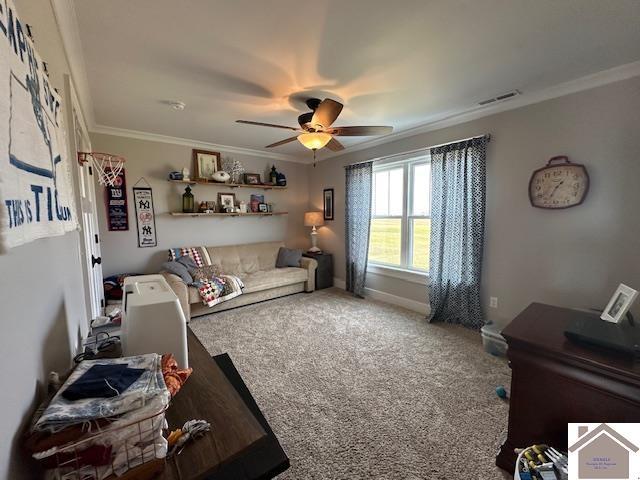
(255, 264)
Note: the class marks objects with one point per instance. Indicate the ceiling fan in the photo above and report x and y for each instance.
(316, 130)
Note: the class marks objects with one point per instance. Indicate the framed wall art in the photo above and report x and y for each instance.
(226, 201)
(327, 195)
(252, 179)
(206, 164)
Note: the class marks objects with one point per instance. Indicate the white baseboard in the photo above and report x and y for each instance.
(413, 305)
(419, 307)
(339, 283)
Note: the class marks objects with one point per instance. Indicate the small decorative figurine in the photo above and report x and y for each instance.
(234, 168)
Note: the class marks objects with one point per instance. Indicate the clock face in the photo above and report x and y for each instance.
(559, 186)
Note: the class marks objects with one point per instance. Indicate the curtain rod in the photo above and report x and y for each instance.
(418, 150)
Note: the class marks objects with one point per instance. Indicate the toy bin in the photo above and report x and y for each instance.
(493, 342)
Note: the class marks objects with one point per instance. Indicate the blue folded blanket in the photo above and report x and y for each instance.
(103, 381)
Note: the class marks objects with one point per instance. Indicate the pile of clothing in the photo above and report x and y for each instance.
(106, 418)
(195, 268)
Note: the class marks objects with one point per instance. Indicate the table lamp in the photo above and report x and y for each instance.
(314, 219)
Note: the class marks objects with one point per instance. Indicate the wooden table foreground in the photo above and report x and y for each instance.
(208, 395)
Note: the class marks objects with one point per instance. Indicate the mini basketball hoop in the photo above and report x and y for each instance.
(108, 166)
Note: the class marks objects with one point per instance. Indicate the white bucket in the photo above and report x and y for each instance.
(493, 342)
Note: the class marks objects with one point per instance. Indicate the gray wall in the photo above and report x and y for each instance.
(153, 161)
(575, 257)
(41, 292)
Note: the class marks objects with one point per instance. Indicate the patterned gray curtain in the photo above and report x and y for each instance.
(457, 231)
(357, 221)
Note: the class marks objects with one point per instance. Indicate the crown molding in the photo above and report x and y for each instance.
(67, 20)
(604, 77)
(156, 137)
(65, 15)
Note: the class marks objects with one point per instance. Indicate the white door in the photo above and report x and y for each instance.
(89, 220)
(86, 204)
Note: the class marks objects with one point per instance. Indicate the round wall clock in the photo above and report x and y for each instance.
(559, 184)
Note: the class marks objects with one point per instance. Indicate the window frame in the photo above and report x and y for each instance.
(408, 165)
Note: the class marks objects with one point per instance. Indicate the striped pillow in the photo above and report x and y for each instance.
(199, 255)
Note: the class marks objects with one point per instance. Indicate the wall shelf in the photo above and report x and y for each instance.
(219, 214)
(228, 185)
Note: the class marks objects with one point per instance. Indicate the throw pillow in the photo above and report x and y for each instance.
(201, 274)
(177, 268)
(288, 257)
(189, 263)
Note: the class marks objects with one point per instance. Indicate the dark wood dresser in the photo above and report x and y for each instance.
(555, 381)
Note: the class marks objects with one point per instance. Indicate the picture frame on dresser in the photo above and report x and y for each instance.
(619, 304)
(327, 203)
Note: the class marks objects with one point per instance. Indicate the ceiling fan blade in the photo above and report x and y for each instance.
(261, 124)
(326, 113)
(334, 145)
(281, 142)
(360, 131)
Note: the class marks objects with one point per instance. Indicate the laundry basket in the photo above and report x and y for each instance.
(110, 453)
(516, 473)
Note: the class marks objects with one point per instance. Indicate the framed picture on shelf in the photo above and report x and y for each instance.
(206, 164)
(619, 304)
(226, 201)
(207, 207)
(263, 208)
(252, 179)
(327, 195)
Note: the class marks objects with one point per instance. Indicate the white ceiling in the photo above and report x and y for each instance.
(401, 63)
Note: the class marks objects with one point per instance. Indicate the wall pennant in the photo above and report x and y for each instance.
(145, 215)
(117, 209)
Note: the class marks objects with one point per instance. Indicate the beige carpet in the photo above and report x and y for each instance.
(357, 389)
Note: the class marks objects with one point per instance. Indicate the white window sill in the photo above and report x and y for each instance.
(421, 278)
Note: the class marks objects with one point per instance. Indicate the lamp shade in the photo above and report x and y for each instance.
(313, 219)
(314, 140)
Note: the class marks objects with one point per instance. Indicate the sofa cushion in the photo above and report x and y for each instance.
(194, 295)
(245, 259)
(275, 277)
(288, 257)
(263, 280)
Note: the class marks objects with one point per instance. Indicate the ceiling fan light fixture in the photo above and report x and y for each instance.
(314, 140)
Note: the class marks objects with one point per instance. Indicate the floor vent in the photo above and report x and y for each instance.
(499, 98)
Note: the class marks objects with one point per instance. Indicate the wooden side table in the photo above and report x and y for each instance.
(324, 272)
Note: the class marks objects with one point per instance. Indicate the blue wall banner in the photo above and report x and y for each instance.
(36, 186)
(116, 198)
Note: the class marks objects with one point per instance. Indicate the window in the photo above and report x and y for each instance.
(400, 223)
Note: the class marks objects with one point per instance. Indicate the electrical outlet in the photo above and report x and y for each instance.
(493, 302)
